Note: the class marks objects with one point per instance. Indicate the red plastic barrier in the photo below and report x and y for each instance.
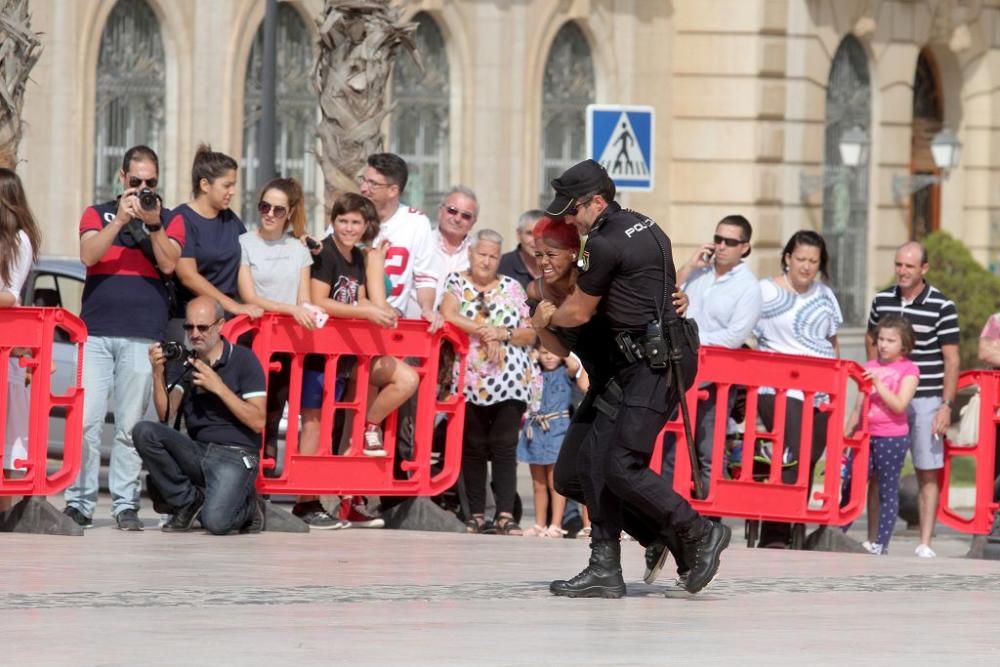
(770, 499)
(984, 452)
(35, 330)
(352, 472)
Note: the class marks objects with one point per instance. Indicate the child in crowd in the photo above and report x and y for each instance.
(894, 382)
(542, 437)
(349, 282)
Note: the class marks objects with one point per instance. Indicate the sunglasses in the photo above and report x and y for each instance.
(202, 328)
(136, 182)
(278, 212)
(572, 210)
(452, 211)
(730, 243)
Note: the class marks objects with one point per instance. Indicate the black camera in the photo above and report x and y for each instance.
(148, 199)
(172, 350)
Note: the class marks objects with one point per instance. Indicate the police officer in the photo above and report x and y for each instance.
(627, 275)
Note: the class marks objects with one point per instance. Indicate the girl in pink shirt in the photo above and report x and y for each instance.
(894, 382)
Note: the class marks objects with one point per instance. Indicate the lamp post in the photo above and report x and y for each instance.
(853, 147)
(946, 150)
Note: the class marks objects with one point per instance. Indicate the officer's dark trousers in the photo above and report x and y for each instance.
(615, 454)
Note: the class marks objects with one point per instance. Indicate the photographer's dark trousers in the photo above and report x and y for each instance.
(179, 465)
(632, 411)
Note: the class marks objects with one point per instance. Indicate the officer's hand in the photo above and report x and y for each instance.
(681, 303)
(543, 314)
(157, 360)
(206, 378)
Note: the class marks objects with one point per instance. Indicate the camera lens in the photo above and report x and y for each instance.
(148, 199)
(172, 350)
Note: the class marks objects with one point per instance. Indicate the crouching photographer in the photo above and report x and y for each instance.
(221, 392)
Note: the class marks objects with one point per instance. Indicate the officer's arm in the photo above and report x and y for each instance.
(577, 309)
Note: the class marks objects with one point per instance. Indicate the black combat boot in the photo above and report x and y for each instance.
(702, 543)
(602, 578)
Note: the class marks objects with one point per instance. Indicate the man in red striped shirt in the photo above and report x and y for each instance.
(128, 249)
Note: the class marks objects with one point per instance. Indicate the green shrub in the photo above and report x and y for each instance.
(975, 291)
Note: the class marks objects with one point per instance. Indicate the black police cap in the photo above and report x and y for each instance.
(582, 179)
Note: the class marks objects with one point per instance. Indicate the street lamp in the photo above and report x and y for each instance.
(853, 148)
(946, 150)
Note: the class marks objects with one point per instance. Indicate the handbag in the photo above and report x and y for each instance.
(968, 425)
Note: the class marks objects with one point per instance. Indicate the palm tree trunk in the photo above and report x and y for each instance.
(358, 43)
(19, 51)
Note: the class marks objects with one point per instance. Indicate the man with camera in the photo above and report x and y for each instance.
(128, 249)
(221, 392)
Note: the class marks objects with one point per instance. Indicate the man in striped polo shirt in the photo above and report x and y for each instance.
(935, 322)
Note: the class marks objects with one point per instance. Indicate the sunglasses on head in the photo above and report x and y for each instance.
(464, 215)
(730, 243)
(277, 211)
(136, 182)
(202, 328)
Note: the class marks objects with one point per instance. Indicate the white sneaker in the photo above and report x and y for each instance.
(373, 443)
(924, 551)
(871, 547)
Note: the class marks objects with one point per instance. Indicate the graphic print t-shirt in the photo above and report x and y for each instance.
(344, 277)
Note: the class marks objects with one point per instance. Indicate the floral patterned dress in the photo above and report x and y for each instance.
(506, 305)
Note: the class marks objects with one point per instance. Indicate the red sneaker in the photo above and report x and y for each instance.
(355, 509)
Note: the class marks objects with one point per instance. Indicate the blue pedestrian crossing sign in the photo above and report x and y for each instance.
(621, 139)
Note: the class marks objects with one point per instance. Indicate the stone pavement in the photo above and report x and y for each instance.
(382, 598)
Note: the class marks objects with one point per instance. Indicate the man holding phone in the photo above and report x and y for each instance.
(726, 303)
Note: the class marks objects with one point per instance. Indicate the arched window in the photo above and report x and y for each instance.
(131, 91)
(567, 88)
(419, 127)
(295, 134)
(928, 119)
(845, 201)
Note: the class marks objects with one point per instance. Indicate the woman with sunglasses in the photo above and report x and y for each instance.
(210, 261)
(274, 276)
(499, 381)
(19, 244)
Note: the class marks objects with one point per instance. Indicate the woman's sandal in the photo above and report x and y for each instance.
(505, 525)
(476, 525)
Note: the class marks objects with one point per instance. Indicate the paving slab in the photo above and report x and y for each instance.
(386, 597)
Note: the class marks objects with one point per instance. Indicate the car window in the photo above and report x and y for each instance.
(57, 291)
(71, 292)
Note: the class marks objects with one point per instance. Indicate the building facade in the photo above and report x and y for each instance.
(753, 99)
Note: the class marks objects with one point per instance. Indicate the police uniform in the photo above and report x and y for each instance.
(627, 263)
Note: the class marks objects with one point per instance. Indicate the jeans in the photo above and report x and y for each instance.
(119, 368)
(179, 466)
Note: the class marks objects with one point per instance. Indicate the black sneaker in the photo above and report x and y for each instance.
(703, 543)
(184, 517)
(258, 522)
(129, 520)
(79, 518)
(314, 515)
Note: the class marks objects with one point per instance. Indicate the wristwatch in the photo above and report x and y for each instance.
(154, 228)
(510, 334)
(948, 402)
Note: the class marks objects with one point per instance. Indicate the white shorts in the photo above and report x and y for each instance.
(927, 447)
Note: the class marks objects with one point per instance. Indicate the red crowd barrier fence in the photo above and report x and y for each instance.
(765, 496)
(279, 340)
(31, 332)
(983, 450)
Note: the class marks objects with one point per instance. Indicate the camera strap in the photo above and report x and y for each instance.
(137, 230)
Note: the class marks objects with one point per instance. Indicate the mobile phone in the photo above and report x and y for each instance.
(707, 256)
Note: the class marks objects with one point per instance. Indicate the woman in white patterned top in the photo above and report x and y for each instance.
(799, 315)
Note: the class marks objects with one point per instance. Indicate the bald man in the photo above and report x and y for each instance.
(221, 392)
(935, 323)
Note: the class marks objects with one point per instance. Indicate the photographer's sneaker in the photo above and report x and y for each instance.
(355, 509)
(373, 441)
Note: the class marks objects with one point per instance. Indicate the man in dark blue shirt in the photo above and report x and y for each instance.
(222, 393)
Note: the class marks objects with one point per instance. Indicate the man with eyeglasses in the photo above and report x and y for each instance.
(129, 249)
(456, 216)
(725, 301)
(627, 275)
(409, 260)
(210, 473)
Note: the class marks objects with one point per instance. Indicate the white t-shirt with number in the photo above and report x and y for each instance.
(409, 261)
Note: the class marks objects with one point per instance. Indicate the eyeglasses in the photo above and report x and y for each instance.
(730, 243)
(464, 215)
(372, 184)
(202, 328)
(278, 212)
(135, 182)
